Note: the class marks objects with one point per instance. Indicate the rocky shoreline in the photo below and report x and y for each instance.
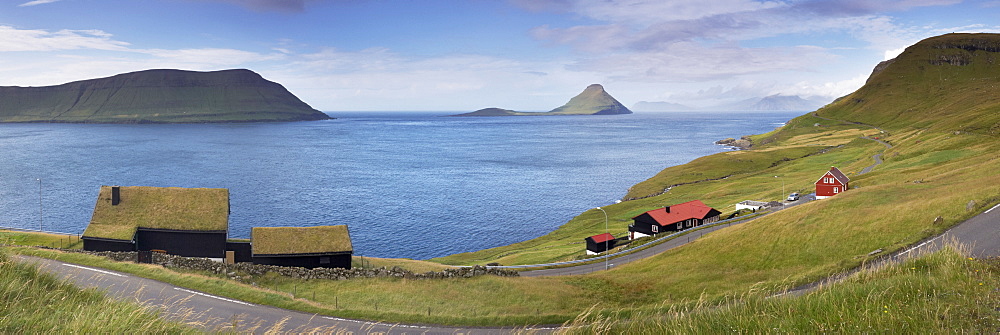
(740, 144)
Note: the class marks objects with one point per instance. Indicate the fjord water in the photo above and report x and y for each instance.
(413, 185)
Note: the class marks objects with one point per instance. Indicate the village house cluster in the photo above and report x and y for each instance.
(194, 222)
(695, 213)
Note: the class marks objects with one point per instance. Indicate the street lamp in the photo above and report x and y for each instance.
(605, 241)
(782, 195)
(39, 204)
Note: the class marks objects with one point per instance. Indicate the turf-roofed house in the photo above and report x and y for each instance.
(308, 247)
(190, 222)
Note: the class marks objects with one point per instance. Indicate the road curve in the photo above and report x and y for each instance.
(219, 314)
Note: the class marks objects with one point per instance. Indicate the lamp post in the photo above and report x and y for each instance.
(39, 204)
(782, 190)
(605, 241)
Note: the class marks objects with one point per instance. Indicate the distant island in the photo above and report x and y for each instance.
(594, 100)
(158, 96)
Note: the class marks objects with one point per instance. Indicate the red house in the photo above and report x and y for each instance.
(600, 243)
(832, 183)
(672, 218)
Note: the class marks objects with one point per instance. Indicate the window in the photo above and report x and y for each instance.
(656, 229)
(836, 189)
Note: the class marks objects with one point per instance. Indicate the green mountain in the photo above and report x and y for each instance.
(946, 82)
(594, 100)
(158, 96)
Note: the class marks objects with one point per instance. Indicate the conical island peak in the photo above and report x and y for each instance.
(594, 100)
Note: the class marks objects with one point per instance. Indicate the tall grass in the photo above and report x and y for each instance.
(36, 303)
(944, 292)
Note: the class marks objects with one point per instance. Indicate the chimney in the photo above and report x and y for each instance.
(666, 208)
(116, 196)
(833, 168)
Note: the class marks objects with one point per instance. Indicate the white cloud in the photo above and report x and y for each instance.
(13, 39)
(36, 2)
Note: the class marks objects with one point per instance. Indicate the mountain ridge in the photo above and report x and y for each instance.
(158, 96)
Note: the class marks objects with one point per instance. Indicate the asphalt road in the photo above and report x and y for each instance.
(217, 314)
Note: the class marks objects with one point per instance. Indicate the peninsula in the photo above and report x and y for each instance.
(158, 96)
(594, 100)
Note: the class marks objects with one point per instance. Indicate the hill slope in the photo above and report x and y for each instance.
(594, 100)
(158, 96)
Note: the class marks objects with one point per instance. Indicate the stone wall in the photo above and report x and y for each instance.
(247, 271)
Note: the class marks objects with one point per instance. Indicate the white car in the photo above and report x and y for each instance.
(793, 197)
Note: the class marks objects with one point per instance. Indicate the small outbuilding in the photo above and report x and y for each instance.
(600, 243)
(307, 247)
(190, 222)
(832, 183)
(672, 218)
(751, 205)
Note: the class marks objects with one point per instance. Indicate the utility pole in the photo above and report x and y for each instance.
(40, 204)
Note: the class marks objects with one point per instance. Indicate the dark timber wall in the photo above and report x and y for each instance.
(306, 261)
(100, 244)
(243, 251)
(187, 243)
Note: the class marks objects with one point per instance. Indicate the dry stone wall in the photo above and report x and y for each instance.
(247, 271)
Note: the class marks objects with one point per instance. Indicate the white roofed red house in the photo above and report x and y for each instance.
(600, 243)
(672, 218)
(832, 183)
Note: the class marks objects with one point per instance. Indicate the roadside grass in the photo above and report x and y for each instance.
(477, 301)
(943, 292)
(12, 237)
(37, 303)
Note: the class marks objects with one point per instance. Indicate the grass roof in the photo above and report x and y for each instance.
(300, 240)
(176, 208)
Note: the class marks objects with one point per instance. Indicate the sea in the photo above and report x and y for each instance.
(408, 184)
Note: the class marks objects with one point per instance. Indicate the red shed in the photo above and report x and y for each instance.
(600, 243)
(832, 183)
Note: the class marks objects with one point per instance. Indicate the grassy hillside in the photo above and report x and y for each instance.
(158, 96)
(938, 293)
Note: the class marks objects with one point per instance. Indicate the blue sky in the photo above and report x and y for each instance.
(443, 55)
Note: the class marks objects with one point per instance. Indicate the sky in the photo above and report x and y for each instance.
(445, 55)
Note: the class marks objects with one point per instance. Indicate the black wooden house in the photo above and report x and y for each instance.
(192, 222)
(672, 218)
(307, 247)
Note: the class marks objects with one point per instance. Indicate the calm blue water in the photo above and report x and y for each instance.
(413, 185)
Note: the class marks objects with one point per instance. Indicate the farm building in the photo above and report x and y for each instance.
(672, 218)
(832, 183)
(600, 243)
(191, 222)
(308, 247)
(751, 205)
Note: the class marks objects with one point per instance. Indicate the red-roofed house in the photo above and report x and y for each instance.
(600, 243)
(672, 218)
(832, 183)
